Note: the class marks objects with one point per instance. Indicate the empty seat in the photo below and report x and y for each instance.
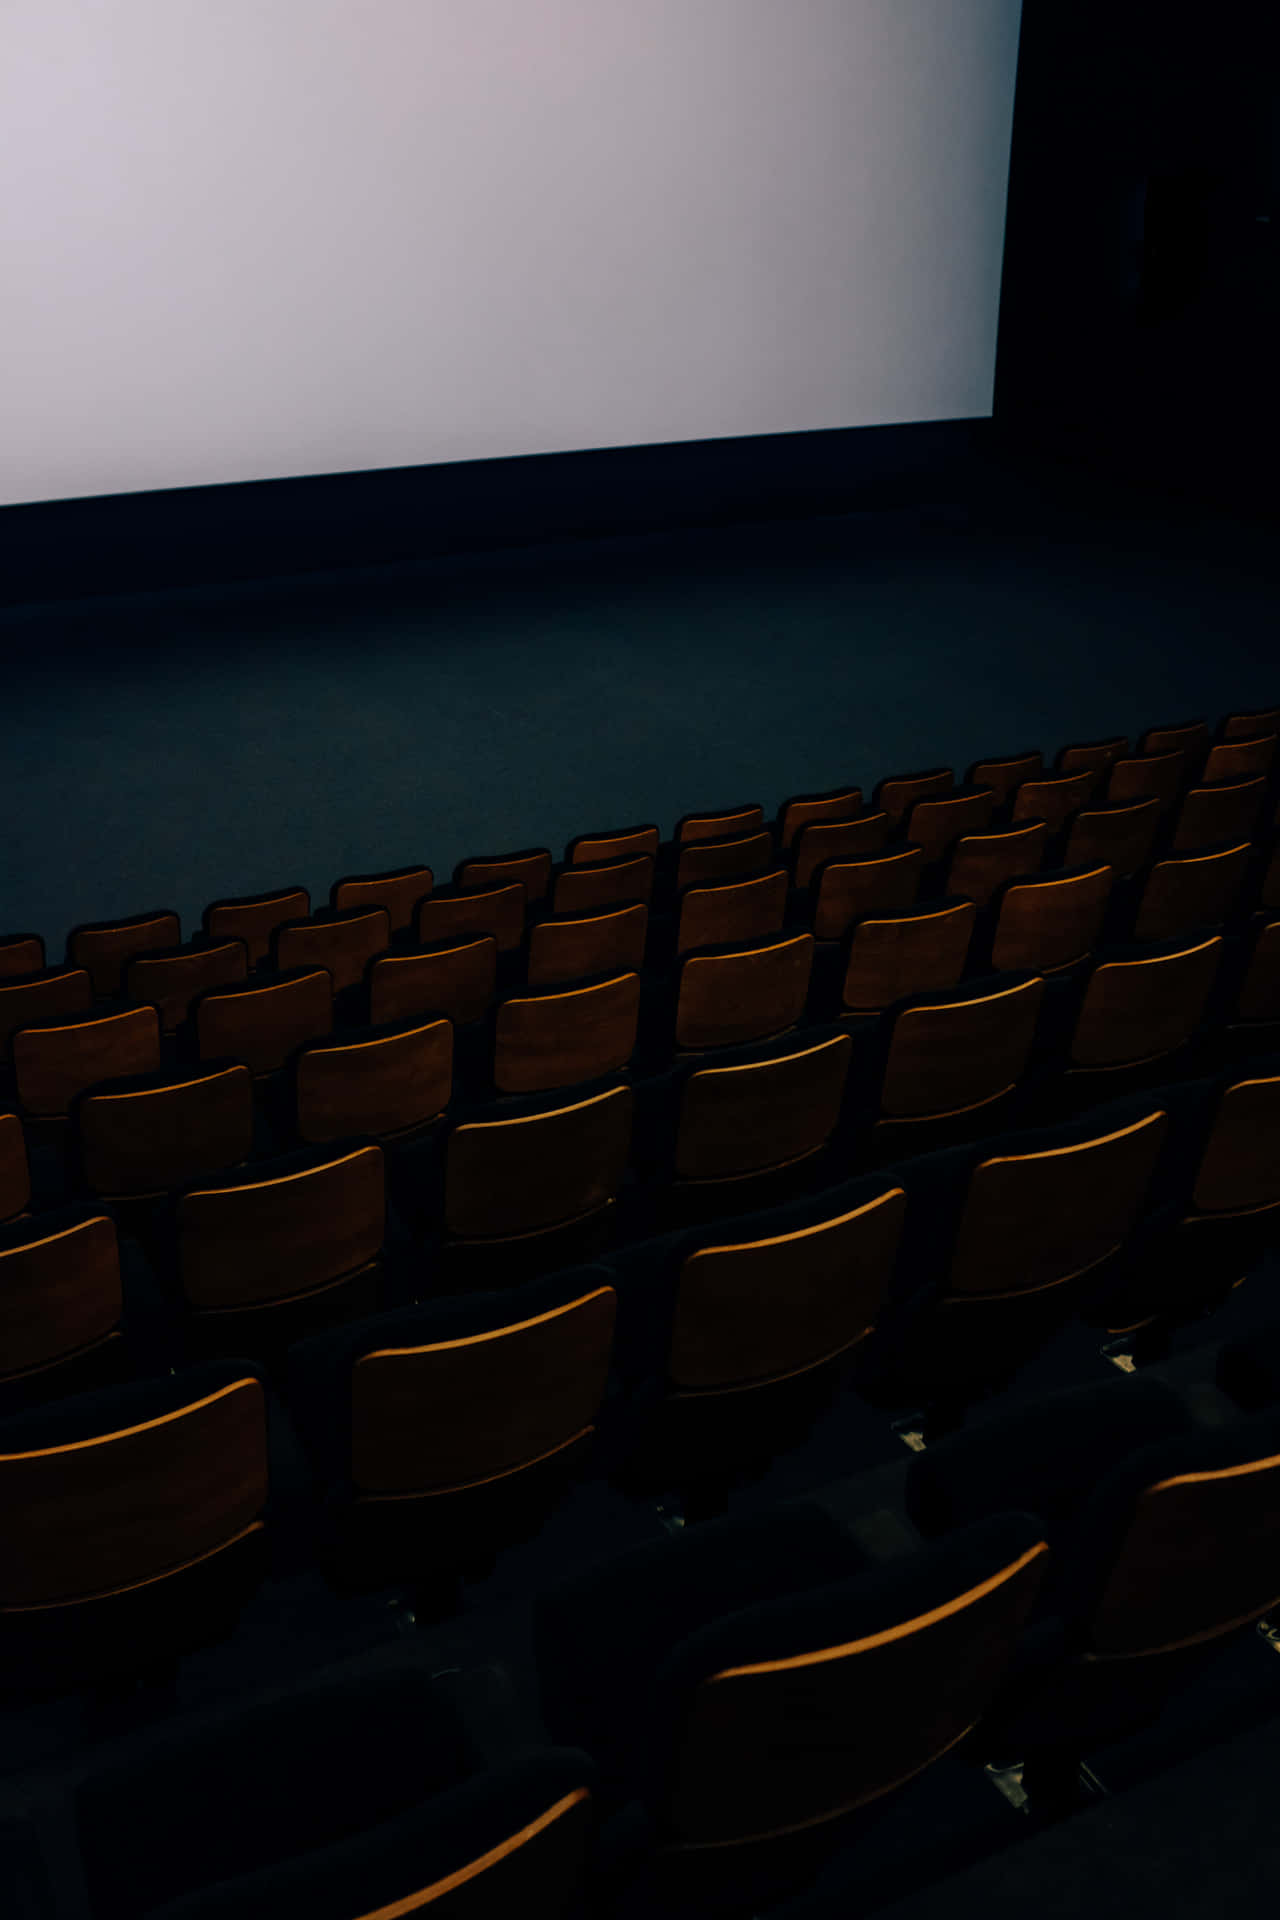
(1240, 759)
(1049, 921)
(1155, 776)
(748, 990)
(361, 1790)
(948, 1057)
(822, 840)
(921, 950)
(1005, 774)
(1189, 737)
(725, 823)
(169, 979)
(57, 1060)
(441, 1430)
(1188, 890)
(897, 793)
(1121, 836)
(103, 947)
(1093, 756)
(385, 1081)
(733, 910)
(739, 1121)
(61, 1305)
(150, 1133)
(342, 940)
(1269, 885)
(133, 1521)
(1040, 1216)
(605, 883)
(449, 913)
(849, 890)
(21, 953)
(480, 873)
(935, 822)
(980, 862)
(704, 860)
(254, 917)
(398, 890)
(621, 843)
(1257, 1000)
(275, 1251)
(840, 803)
(456, 977)
(51, 994)
(560, 1036)
(1248, 726)
(1052, 797)
(760, 1651)
(264, 1021)
(1226, 811)
(536, 1187)
(1142, 1007)
(573, 946)
(15, 1174)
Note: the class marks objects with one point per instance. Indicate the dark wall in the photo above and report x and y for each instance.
(1140, 308)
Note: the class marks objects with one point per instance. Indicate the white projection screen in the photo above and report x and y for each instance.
(247, 239)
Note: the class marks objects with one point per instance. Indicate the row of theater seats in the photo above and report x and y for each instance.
(723, 1712)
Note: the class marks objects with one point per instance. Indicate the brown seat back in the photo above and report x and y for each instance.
(1240, 759)
(733, 910)
(575, 946)
(1034, 1220)
(780, 1745)
(1092, 756)
(823, 840)
(606, 883)
(921, 951)
(536, 1170)
(959, 1054)
(15, 1174)
(898, 793)
(54, 994)
(154, 1139)
(456, 977)
(1137, 1010)
(706, 861)
(1190, 890)
(1189, 737)
(254, 917)
(849, 890)
(106, 946)
(264, 1023)
(1005, 775)
(980, 862)
(622, 843)
(760, 989)
(59, 1294)
(21, 953)
(52, 1064)
(1053, 798)
(1240, 1166)
(726, 823)
(1259, 995)
(1248, 726)
(936, 822)
(532, 866)
(1049, 922)
(561, 1037)
(456, 1412)
(398, 890)
(745, 1119)
(385, 1085)
(763, 1308)
(1155, 776)
(103, 1515)
(497, 910)
(172, 981)
(344, 944)
(842, 803)
(281, 1234)
(1120, 837)
(1228, 810)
